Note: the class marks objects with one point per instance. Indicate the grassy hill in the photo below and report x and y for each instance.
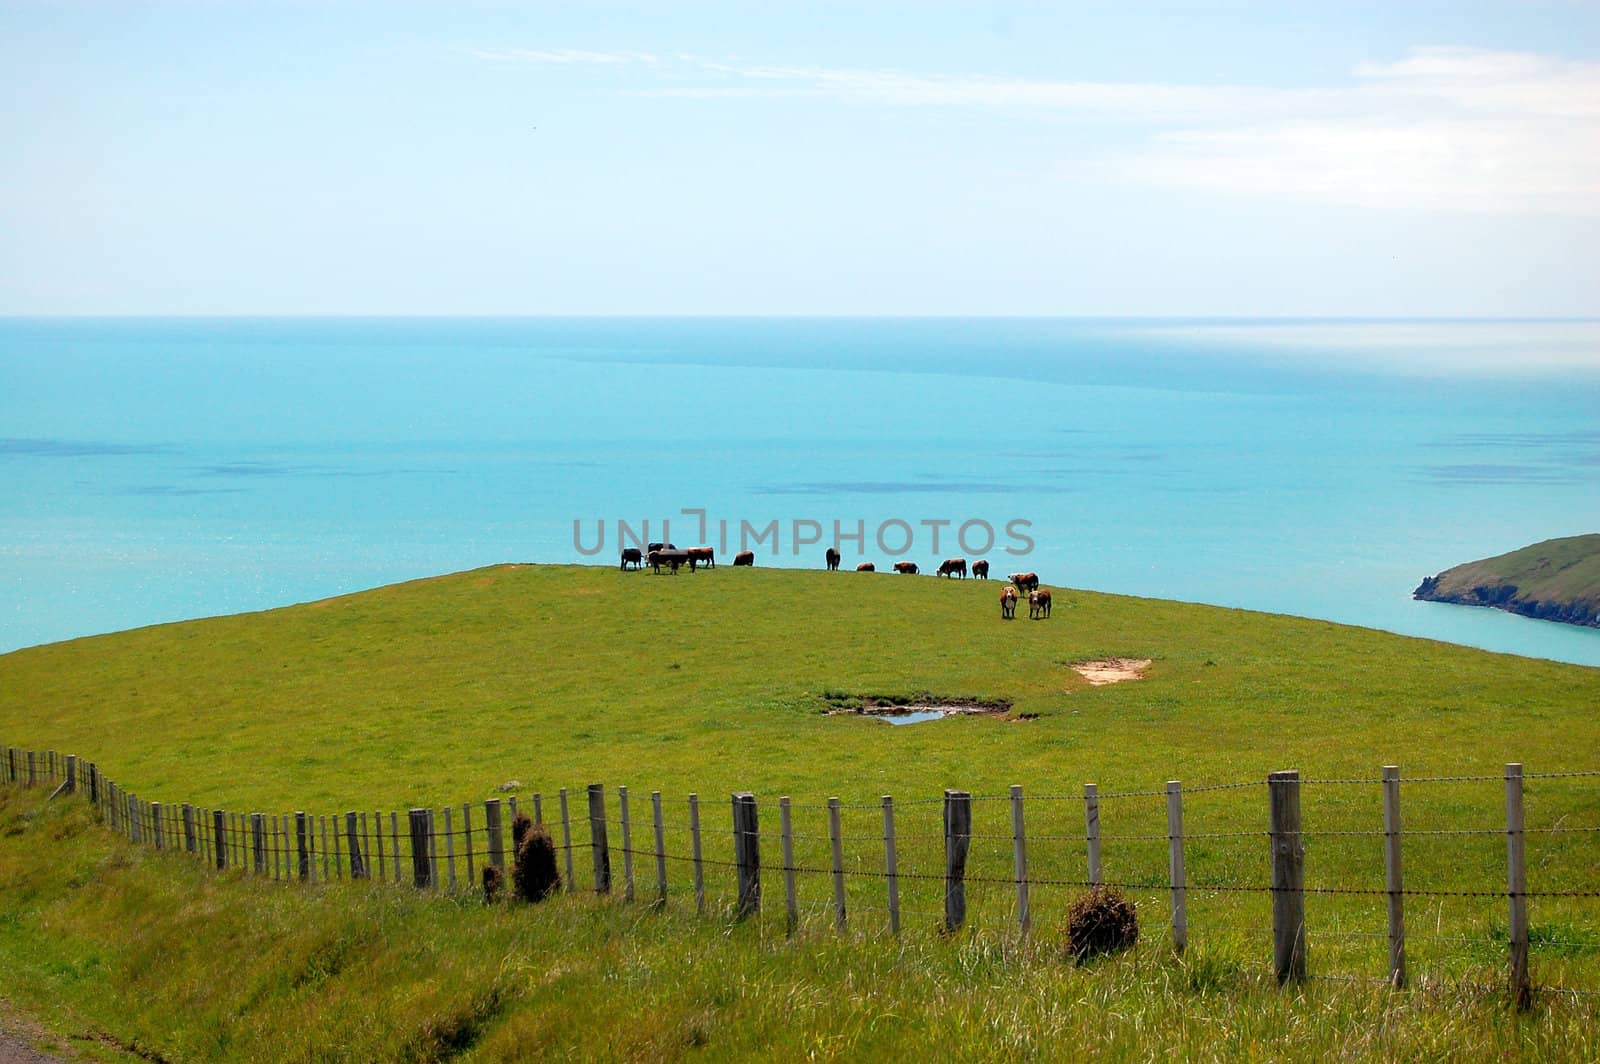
(439, 690)
(1556, 580)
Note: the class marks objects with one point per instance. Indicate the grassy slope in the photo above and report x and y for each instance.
(441, 689)
(1554, 571)
(152, 952)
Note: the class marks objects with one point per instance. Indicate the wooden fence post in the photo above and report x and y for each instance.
(747, 853)
(450, 847)
(188, 827)
(258, 843)
(219, 832)
(1517, 888)
(156, 825)
(1091, 818)
(394, 839)
(957, 839)
(33, 769)
(1288, 877)
(466, 837)
(695, 851)
(352, 845)
(836, 842)
(94, 784)
(538, 808)
(1019, 848)
(420, 872)
(72, 773)
(597, 838)
(433, 851)
(491, 818)
(627, 843)
(1393, 881)
(135, 821)
(1180, 892)
(302, 834)
(322, 825)
(566, 842)
(891, 868)
(661, 849)
(790, 896)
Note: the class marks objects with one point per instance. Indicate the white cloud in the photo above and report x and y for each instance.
(1445, 128)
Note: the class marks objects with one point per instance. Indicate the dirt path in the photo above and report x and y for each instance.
(18, 1036)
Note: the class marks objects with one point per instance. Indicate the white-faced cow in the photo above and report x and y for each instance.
(1008, 603)
(1039, 604)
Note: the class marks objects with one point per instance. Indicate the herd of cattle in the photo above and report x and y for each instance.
(666, 556)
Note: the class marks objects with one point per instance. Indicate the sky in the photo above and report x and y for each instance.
(1194, 159)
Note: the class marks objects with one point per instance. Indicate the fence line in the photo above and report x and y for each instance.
(299, 847)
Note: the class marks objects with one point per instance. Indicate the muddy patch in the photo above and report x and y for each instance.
(1111, 670)
(910, 709)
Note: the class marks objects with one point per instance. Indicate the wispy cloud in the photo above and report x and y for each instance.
(1444, 128)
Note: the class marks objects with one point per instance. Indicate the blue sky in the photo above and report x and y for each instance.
(865, 158)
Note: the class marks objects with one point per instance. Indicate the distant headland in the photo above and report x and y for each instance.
(1556, 580)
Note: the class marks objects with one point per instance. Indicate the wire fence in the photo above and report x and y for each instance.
(1223, 863)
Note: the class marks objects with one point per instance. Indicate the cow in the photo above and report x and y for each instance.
(705, 556)
(632, 556)
(906, 568)
(1025, 581)
(832, 558)
(866, 567)
(1008, 603)
(745, 557)
(1039, 604)
(952, 567)
(669, 558)
(980, 570)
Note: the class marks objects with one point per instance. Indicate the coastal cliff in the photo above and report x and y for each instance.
(1557, 580)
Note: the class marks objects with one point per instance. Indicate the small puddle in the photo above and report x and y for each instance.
(912, 718)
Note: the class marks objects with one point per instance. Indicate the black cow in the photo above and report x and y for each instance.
(980, 570)
(953, 567)
(832, 558)
(669, 558)
(632, 556)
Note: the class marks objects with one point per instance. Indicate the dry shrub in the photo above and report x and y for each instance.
(534, 873)
(1100, 922)
(493, 880)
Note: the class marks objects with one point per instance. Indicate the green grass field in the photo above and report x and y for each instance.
(437, 691)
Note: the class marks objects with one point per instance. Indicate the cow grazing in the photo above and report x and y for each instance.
(1039, 604)
(980, 570)
(632, 556)
(705, 556)
(669, 558)
(1025, 581)
(1008, 603)
(832, 558)
(953, 567)
(866, 567)
(906, 568)
(745, 557)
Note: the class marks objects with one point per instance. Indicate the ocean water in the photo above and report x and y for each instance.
(155, 470)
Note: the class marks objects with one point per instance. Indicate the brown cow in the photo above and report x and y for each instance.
(632, 556)
(1025, 581)
(980, 570)
(906, 568)
(1008, 603)
(832, 558)
(705, 556)
(1039, 604)
(866, 567)
(952, 567)
(745, 557)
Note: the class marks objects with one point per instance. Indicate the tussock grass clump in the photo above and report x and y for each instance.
(493, 883)
(1100, 922)
(534, 874)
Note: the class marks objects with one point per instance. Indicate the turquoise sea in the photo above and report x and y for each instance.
(154, 470)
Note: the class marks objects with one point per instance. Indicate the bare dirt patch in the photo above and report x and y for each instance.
(1111, 670)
